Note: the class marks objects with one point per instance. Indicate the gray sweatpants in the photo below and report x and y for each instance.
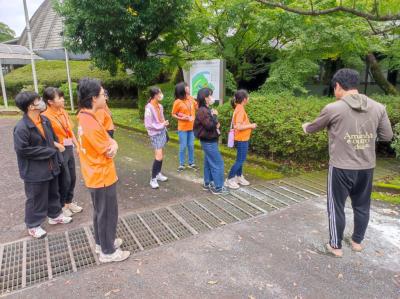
(105, 216)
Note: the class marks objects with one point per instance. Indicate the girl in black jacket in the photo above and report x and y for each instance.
(206, 128)
(39, 160)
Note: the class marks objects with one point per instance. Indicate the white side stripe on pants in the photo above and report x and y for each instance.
(331, 207)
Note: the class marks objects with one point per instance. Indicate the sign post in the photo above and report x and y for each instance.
(207, 73)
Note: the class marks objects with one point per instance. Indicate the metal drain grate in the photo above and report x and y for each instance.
(233, 210)
(283, 190)
(145, 237)
(36, 262)
(217, 211)
(206, 216)
(28, 262)
(299, 190)
(256, 202)
(60, 258)
(11, 268)
(130, 241)
(174, 224)
(316, 191)
(275, 200)
(164, 234)
(82, 252)
(191, 218)
(243, 205)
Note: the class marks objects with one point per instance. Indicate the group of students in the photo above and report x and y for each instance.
(197, 118)
(44, 141)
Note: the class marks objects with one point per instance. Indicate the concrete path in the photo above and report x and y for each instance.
(264, 241)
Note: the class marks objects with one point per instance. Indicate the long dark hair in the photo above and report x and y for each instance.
(87, 89)
(180, 92)
(153, 91)
(202, 95)
(239, 97)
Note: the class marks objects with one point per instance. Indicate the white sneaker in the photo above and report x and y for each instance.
(242, 181)
(37, 232)
(154, 184)
(67, 212)
(117, 256)
(61, 219)
(117, 244)
(231, 183)
(74, 208)
(162, 178)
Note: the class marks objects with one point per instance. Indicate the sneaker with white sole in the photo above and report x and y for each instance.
(162, 178)
(219, 191)
(193, 166)
(154, 184)
(37, 232)
(206, 187)
(231, 183)
(181, 168)
(61, 219)
(67, 212)
(117, 244)
(242, 181)
(74, 208)
(118, 256)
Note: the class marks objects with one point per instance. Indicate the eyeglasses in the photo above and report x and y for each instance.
(104, 94)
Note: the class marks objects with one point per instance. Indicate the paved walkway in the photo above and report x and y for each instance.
(261, 241)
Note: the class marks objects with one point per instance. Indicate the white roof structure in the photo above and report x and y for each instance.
(15, 54)
(47, 34)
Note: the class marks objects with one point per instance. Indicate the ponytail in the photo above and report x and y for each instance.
(153, 91)
(239, 97)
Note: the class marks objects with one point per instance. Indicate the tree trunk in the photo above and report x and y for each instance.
(379, 77)
(142, 100)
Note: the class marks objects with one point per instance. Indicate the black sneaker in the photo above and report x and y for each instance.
(181, 168)
(193, 166)
(219, 191)
(206, 187)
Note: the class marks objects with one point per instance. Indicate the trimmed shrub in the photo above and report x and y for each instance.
(53, 73)
(279, 134)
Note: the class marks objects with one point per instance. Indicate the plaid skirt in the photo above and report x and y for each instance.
(158, 141)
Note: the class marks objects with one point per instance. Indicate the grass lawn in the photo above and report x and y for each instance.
(262, 168)
(388, 197)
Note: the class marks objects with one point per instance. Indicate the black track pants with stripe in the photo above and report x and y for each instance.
(356, 184)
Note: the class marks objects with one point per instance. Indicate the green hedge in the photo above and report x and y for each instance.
(53, 73)
(279, 134)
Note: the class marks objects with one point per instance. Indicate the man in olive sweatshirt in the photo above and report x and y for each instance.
(354, 123)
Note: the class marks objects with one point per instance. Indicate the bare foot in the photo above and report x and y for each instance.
(334, 251)
(356, 247)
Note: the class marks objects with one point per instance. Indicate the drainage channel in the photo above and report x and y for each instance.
(29, 262)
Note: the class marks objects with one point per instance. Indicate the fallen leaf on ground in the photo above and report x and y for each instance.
(340, 276)
(137, 271)
(212, 282)
(110, 292)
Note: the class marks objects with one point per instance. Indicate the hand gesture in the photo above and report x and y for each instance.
(59, 146)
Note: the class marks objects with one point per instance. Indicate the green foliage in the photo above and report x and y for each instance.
(279, 134)
(6, 33)
(388, 197)
(65, 89)
(396, 140)
(53, 73)
(122, 33)
(31, 87)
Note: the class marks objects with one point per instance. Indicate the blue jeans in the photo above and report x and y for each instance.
(186, 140)
(242, 148)
(213, 164)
